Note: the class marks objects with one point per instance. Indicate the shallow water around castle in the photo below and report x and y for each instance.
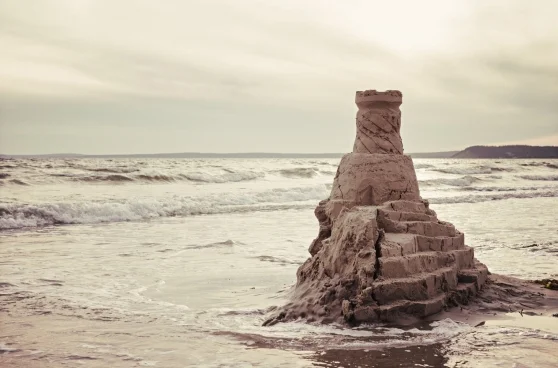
(175, 263)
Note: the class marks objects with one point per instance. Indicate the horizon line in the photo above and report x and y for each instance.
(190, 153)
(199, 154)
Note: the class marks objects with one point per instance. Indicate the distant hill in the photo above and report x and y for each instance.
(508, 152)
(446, 154)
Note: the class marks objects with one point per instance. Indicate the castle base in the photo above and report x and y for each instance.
(385, 263)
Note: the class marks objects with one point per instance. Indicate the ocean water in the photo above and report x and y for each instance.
(175, 263)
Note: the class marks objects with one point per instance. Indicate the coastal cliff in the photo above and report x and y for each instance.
(518, 151)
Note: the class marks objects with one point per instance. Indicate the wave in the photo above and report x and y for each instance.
(540, 177)
(471, 170)
(228, 176)
(124, 178)
(226, 243)
(4, 175)
(493, 197)
(282, 261)
(423, 166)
(12, 181)
(299, 172)
(545, 164)
(464, 181)
(499, 169)
(223, 175)
(111, 178)
(155, 177)
(546, 247)
(63, 175)
(14, 216)
(18, 182)
(507, 189)
(112, 170)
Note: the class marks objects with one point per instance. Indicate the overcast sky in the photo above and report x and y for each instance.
(98, 77)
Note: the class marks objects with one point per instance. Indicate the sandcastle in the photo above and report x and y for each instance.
(381, 253)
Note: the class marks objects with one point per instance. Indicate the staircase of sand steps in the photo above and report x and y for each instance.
(422, 262)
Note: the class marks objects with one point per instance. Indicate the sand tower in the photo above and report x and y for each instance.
(381, 254)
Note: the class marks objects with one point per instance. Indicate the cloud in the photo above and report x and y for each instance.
(273, 76)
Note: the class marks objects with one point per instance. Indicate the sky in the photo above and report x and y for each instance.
(138, 76)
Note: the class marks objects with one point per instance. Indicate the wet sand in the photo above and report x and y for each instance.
(502, 341)
(484, 336)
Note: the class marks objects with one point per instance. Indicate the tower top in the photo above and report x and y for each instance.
(371, 95)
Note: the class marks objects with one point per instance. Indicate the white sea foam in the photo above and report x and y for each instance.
(31, 215)
(15, 216)
(224, 177)
(473, 198)
(423, 166)
(306, 335)
(464, 170)
(540, 177)
(457, 182)
(101, 190)
(299, 172)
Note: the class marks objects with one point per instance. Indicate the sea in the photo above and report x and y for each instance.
(117, 262)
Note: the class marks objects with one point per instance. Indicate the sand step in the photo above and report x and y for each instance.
(465, 257)
(464, 292)
(394, 245)
(401, 244)
(428, 228)
(440, 243)
(419, 287)
(405, 216)
(467, 289)
(420, 308)
(433, 229)
(411, 264)
(405, 206)
(477, 274)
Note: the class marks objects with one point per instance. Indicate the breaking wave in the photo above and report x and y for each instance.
(423, 166)
(471, 170)
(18, 182)
(493, 197)
(112, 178)
(198, 177)
(162, 178)
(540, 177)
(506, 189)
(299, 172)
(544, 164)
(457, 182)
(112, 170)
(13, 216)
(227, 176)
